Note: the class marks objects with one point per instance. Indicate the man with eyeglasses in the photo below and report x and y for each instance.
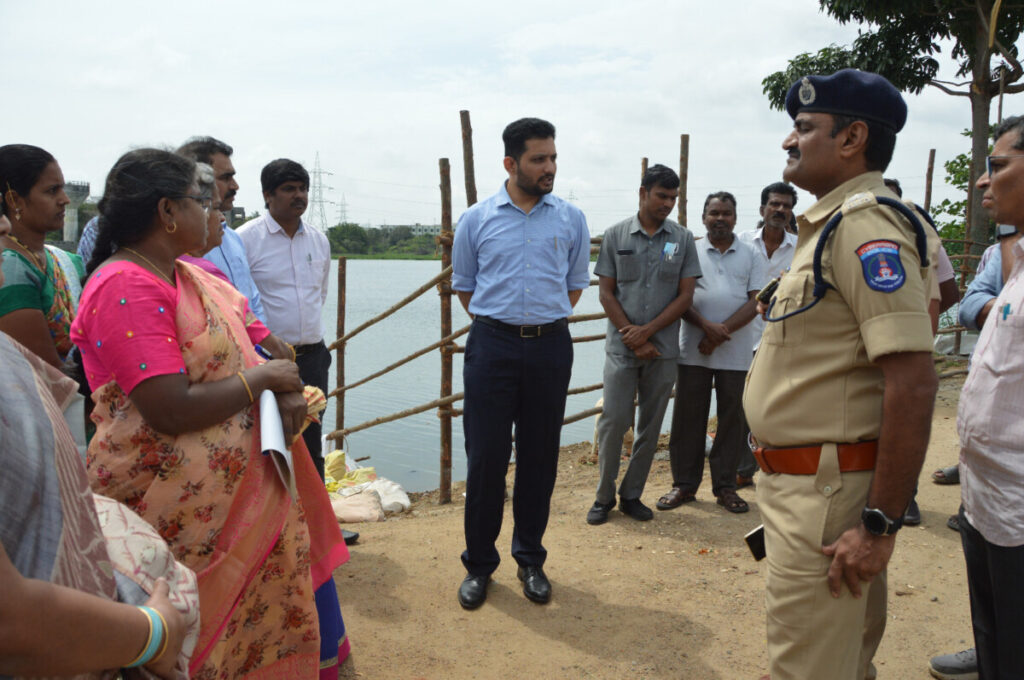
(841, 391)
(230, 256)
(290, 263)
(991, 432)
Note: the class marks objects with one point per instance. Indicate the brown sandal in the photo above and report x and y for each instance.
(674, 498)
(731, 501)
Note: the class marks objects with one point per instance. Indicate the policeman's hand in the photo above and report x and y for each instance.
(635, 336)
(717, 332)
(857, 556)
(292, 406)
(164, 666)
(647, 351)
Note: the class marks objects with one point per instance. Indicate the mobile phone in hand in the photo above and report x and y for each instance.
(755, 541)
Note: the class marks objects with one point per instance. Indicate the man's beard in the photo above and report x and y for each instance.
(534, 189)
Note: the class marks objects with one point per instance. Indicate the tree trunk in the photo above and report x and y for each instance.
(979, 231)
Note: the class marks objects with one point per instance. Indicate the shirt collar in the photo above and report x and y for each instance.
(732, 246)
(635, 227)
(788, 239)
(830, 202)
(273, 226)
(505, 199)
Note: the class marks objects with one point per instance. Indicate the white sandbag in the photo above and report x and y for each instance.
(362, 506)
(392, 496)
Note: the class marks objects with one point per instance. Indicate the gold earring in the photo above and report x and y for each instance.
(174, 228)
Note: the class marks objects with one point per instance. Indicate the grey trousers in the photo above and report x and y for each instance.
(624, 377)
(690, 424)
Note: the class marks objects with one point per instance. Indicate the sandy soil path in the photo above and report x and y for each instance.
(676, 597)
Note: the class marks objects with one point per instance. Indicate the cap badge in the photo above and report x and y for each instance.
(806, 92)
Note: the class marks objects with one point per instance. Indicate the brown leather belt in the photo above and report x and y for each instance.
(803, 460)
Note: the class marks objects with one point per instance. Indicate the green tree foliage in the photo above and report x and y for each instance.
(901, 44)
(348, 238)
(352, 239)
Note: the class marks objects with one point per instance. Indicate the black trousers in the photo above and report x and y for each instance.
(690, 426)
(997, 603)
(514, 387)
(314, 366)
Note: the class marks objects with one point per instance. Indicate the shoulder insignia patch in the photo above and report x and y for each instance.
(883, 270)
(858, 201)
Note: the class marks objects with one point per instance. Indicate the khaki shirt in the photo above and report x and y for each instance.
(813, 379)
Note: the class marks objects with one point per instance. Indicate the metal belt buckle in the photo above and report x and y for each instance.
(524, 331)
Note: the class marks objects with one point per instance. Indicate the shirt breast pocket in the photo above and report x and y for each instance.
(627, 267)
(668, 270)
(793, 293)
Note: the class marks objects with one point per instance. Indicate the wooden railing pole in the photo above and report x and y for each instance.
(928, 181)
(339, 405)
(467, 158)
(445, 288)
(684, 164)
(643, 168)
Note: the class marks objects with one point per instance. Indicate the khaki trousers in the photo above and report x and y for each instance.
(810, 633)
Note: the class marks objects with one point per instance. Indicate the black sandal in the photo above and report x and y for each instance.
(731, 501)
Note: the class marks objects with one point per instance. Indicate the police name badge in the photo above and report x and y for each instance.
(883, 270)
(806, 92)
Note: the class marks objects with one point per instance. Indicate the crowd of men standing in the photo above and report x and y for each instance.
(845, 333)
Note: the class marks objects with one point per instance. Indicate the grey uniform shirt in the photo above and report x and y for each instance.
(647, 271)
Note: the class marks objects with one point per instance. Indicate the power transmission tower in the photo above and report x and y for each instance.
(318, 215)
(342, 210)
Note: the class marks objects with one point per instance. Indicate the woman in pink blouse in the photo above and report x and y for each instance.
(168, 350)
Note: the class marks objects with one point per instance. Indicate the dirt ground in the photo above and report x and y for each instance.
(676, 597)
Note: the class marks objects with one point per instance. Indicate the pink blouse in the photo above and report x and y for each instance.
(126, 329)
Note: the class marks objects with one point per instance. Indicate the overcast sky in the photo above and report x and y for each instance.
(376, 87)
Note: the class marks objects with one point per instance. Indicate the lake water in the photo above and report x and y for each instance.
(408, 450)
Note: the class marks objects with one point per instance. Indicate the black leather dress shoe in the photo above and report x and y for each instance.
(536, 586)
(350, 536)
(473, 591)
(635, 509)
(912, 517)
(598, 513)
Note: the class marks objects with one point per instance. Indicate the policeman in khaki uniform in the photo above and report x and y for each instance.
(840, 394)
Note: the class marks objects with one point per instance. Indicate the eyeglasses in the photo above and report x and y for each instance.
(988, 162)
(205, 202)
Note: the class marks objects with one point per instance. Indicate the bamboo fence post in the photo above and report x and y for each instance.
(339, 405)
(684, 164)
(445, 288)
(643, 168)
(467, 158)
(928, 181)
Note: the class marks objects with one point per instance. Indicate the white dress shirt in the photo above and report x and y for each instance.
(291, 274)
(988, 420)
(773, 266)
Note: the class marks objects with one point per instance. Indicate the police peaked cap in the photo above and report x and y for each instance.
(849, 92)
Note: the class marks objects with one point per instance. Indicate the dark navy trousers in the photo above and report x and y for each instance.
(314, 367)
(515, 387)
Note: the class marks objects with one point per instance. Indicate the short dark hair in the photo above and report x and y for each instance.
(660, 175)
(135, 185)
(20, 168)
(202, 149)
(518, 132)
(277, 172)
(894, 186)
(1008, 124)
(783, 188)
(721, 196)
(881, 140)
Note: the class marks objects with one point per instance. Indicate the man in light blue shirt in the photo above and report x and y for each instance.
(520, 263)
(230, 255)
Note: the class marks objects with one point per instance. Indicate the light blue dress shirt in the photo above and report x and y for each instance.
(521, 267)
(231, 257)
(986, 286)
(87, 242)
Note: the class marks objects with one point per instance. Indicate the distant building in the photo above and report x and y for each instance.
(77, 193)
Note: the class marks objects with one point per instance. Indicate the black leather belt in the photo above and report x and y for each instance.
(306, 349)
(524, 331)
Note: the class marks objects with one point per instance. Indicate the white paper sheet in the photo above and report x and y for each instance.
(272, 441)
